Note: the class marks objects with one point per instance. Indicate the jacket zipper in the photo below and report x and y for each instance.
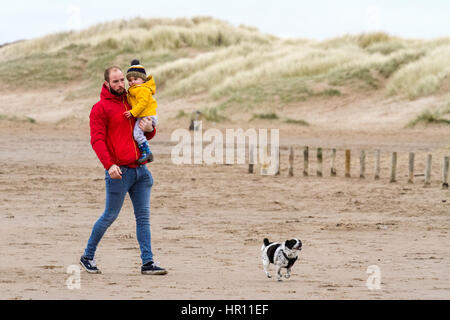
(131, 127)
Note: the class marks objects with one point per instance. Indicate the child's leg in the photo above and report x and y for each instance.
(154, 120)
(138, 134)
(146, 154)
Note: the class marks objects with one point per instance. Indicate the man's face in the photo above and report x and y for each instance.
(116, 81)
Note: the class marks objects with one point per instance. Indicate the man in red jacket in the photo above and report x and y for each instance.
(113, 142)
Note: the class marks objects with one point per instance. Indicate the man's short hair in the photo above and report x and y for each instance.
(108, 71)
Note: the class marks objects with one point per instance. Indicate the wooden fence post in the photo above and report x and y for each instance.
(278, 162)
(362, 165)
(377, 164)
(264, 162)
(411, 167)
(333, 162)
(251, 159)
(393, 167)
(319, 162)
(445, 173)
(428, 171)
(347, 163)
(197, 118)
(291, 161)
(305, 161)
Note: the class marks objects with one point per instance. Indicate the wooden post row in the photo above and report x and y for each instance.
(393, 177)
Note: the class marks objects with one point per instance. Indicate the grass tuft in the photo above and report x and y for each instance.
(18, 119)
(296, 121)
(265, 116)
(213, 114)
(181, 114)
(329, 92)
(428, 117)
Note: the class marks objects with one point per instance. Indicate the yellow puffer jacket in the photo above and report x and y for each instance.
(140, 98)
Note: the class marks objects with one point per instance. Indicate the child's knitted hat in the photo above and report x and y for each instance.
(136, 70)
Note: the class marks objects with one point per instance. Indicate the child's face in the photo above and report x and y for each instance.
(132, 81)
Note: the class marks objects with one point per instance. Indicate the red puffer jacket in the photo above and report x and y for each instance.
(112, 133)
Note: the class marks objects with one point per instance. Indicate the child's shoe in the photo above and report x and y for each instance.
(146, 154)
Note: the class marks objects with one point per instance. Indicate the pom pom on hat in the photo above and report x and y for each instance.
(135, 62)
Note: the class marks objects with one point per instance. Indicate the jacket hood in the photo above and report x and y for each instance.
(149, 84)
(106, 94)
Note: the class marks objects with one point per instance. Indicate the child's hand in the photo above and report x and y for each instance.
(128, 114)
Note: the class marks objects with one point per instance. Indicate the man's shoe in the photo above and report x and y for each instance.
(89, 265)
(152, 268)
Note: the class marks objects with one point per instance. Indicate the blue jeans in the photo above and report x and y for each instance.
(138, 183)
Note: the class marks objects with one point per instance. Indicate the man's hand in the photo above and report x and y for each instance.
(146, 125)
(128, 114)
(115, 172)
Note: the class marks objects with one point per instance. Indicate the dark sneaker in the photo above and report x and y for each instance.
(150, 157)
(89, 265)
(146, 157)
(146, 154)
(152, 268)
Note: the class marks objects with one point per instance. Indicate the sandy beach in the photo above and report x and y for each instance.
(208, 221)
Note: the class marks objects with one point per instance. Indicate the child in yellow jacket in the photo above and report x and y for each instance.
(140, 98)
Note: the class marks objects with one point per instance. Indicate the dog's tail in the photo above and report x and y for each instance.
(266, 243)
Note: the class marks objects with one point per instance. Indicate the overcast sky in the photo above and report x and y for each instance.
(319, 19)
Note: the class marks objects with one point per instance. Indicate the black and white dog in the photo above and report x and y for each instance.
(282, 255)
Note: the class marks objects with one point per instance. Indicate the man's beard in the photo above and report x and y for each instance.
(114, 92)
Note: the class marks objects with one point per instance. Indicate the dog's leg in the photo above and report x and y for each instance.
(288, 273)
(279, 272)
(266, 263)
